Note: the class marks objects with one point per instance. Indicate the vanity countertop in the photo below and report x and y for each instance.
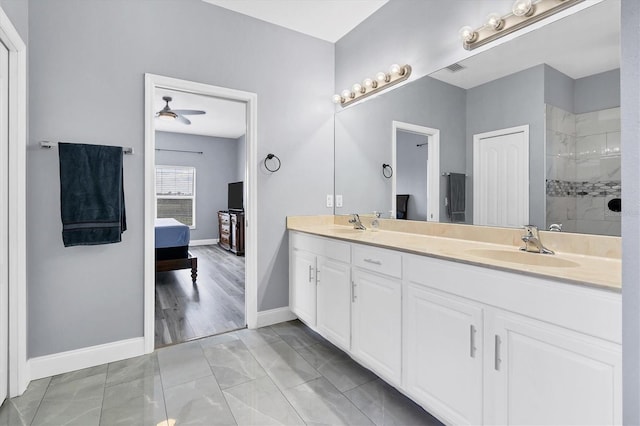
(595, 271)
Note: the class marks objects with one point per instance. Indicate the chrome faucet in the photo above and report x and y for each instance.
(532, 241)
(557, 227)
(356, 222)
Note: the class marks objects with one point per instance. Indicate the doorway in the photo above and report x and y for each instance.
(155, 84)
(200, 172)
(501, 177)
(415, 160)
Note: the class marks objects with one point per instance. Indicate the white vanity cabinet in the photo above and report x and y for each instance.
(302, 292)
(470, 344)
(334, 301)
(320, 285)
(542, 374)
(377, 310)
(443, 353)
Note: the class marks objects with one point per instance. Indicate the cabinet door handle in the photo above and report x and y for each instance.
(310, 273)
(317, 276)
(353, 291)
(497, 360)
(375, 262)
(472, 341)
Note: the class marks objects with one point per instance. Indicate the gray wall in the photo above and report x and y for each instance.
(241, 158)
(87, 65)
(363, 140)
(596, 92)
(421, 33)
(514, 100)
(411, 172)
(630, 109)
(18, 13)
(215, 168)
(558, 89)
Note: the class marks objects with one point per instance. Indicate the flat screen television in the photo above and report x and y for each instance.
(235, 196)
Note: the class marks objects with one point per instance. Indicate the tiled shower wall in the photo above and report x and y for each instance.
(583, 170)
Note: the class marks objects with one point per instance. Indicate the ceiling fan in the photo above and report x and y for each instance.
(169, 114)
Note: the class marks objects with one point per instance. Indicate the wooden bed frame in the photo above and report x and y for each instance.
(189, 262)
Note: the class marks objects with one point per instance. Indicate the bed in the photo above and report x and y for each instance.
(172, 247)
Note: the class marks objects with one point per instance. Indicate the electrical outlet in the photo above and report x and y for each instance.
(338, 200)
(329, 200)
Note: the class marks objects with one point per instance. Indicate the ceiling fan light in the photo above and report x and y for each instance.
(167, 115)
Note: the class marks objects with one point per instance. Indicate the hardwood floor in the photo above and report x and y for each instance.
(213, 305)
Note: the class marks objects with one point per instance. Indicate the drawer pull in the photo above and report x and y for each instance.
(497, 361)
(375, 262)
(472, 341)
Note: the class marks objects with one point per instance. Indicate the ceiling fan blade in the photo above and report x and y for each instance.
(183, 120)
(188, 111)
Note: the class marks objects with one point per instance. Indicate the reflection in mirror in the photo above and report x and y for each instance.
(562, 88)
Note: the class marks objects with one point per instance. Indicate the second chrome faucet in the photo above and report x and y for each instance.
(532, 242)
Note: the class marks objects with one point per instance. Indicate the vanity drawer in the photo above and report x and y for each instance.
(378, 260)
(325, 247)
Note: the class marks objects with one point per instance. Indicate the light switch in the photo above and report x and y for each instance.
(338, 200)
(329, 200)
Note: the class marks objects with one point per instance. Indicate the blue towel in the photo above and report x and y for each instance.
(91, 194)
(456, 196)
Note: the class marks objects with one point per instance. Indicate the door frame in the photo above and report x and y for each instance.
(153, 81)
(433, 171)
(476, 166)
(17, 369)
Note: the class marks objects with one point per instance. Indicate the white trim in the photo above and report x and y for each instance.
(205, 242)
(476, 166)
(64, 362)
(18, 368)
(275, 316)
(152, 82)
(433, 171)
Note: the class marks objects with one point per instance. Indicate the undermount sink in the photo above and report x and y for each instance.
(522, 257)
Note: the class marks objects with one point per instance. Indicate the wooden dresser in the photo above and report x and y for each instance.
(231, 231)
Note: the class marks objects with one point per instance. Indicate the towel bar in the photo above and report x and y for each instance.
(49, 145)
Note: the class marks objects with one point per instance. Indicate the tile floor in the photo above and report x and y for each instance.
(283, 374)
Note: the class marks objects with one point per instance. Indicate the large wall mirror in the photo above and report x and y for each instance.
(525, 132)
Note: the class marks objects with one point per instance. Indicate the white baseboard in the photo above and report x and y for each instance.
(274, 316)
(64, 362)
(208, 242)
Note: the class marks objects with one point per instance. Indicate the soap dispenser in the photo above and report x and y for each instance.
(375, 224)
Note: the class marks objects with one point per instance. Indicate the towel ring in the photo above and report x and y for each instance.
(271, 157)
(384, 171)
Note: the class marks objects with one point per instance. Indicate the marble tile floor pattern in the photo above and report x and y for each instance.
(284, 374)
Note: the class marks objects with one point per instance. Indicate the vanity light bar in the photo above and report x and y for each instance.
(370, 86)
(524, 13)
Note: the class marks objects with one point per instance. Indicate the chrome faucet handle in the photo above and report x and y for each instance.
(556, 227)
(355, 218)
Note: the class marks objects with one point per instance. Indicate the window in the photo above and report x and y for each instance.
(176, 193)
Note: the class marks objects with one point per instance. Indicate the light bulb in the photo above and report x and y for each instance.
(495, 21)
(382, 77)
(357, 88)
(369, 83)
(337, 99)
(522, 8)
(395, 69)
(346, 93)
(467, 34)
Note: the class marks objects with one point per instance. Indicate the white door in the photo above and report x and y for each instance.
(540, 374)
(4, 219)
(377, 323)
(501, 177)
(303, 282)
(334, 301)
(443, 354)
